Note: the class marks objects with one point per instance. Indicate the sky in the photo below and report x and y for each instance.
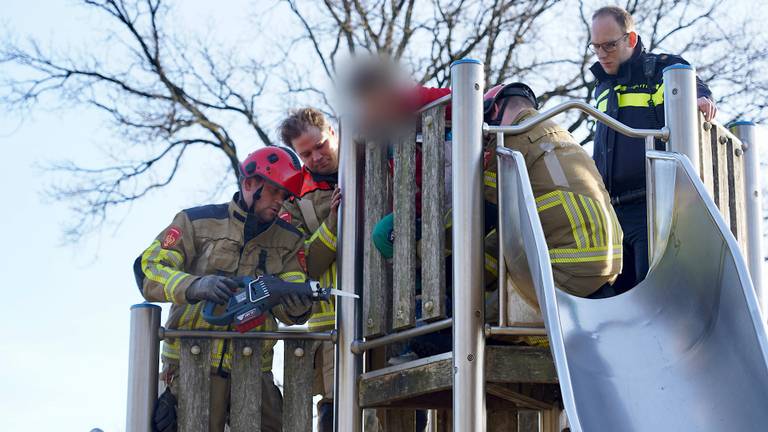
(64, 325)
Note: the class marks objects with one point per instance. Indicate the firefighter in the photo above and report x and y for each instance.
(309, 134)
(630, 89)
(579, 223)
(195, 257)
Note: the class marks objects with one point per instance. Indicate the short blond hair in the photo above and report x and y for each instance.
(620, 15)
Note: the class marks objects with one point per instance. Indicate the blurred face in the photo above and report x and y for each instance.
(318, 150)
(270, 201)
(611, 45)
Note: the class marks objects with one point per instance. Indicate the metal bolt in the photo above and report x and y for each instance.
(298, 352)
(195, 350)
(723, 139)
(428, 120)
(247, 351)
(428, 306)
(370, 322)
(471, 357)
(674, 91)
(739, 152)
(477, 86)
(400, 313)
(707, 126)
(477, 314)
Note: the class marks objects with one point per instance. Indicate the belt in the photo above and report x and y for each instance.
(628, 197)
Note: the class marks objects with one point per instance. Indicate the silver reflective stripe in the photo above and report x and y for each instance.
(153, 267)
(578, 227)
(596, 228)
(553, 166)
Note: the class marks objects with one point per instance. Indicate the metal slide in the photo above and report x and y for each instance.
(685, 350)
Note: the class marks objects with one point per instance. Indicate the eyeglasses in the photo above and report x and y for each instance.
(608, 47)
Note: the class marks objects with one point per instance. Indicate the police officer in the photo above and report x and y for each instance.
(311, 136)
(579, 223)
(630, 89)
(196, 256)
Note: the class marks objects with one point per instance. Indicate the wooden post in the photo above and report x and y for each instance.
(736, 204)
(194, 385)
(245, 386)
(705, 150)
(375, 286)
(433, 214)
(298, 378)
(404, 260)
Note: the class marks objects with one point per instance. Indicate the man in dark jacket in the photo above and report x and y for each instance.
(630, 89)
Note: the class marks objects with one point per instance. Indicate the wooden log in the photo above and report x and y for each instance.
(736, 204)
(721, 180)
(503, 364)
(528, 421)
(400, 420)
(245, 386)
(433, 215)
(298, 378)
(444, 421)
(375, 282)
(705, 150)
(194, 385)
(404, 260)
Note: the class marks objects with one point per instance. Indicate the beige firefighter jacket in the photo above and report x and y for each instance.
(223, 240)
(320, 245)
(583, 235)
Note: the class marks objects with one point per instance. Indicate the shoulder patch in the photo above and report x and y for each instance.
(212, 211)
(171, 237)
(288, 227)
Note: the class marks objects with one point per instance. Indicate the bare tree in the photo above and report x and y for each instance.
(533, 41)
(169, 95)
(163, 99)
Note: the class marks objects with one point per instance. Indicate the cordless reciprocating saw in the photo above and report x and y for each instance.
(248, 307)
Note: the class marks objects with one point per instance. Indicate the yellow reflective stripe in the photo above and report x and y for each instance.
(602, 95)
(491, 264)
(173, 282)
(171, 350)
(577, 221)
(293, 276)
(640, 99)
(153, 270)
(167, 285)
(580, 255)
(602, 105)
(489, 179)
(602, 227)
(589, 211)
(326, 236)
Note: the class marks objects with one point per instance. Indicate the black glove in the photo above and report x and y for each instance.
(164, 417)
(296, 305)
(216, 289)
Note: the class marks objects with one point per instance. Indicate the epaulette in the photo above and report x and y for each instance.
(288, 227)
(211, 211)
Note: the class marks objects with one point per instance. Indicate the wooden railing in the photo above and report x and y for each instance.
(722, 171)
(389, 298)
(246, 388)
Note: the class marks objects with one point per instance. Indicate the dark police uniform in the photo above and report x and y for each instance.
(635, 97)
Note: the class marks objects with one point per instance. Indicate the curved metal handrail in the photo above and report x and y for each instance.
(611, 122)
(437, 102)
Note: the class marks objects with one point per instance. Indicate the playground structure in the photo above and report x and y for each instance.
(694, 323)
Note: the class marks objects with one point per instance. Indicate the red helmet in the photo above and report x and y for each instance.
(275, 165)
(502, 91)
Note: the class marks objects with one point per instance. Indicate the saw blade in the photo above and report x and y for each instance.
(340, 293)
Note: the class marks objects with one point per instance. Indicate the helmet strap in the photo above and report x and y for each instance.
(256, 196)
(503, 107)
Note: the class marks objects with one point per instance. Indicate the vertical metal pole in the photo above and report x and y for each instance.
(746, 132)
(143, 366)
(347, 415)
(681, 113)
(502, 263)
(650, 144)
(468, 317)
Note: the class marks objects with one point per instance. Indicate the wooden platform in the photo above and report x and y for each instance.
(523, 376)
